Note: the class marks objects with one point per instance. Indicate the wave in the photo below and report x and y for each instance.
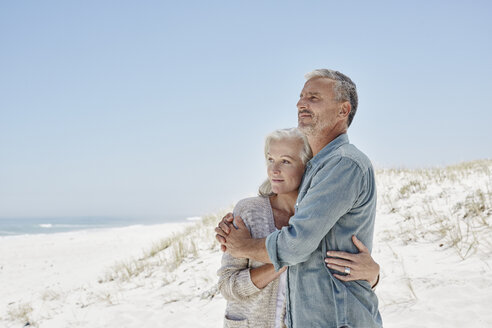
(194, 218)
(70, 226)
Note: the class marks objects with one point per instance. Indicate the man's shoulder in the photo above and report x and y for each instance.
(351, 154)
(340, 153)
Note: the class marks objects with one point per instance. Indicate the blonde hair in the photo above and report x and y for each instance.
(306, 154)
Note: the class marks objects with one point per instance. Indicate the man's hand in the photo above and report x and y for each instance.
(237, 239)
(223, 229)
(360, 266)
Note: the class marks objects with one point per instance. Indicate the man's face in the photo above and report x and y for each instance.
(317, 108)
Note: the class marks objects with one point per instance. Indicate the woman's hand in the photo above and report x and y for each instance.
(238, 239)
(234, 236)
(359, 266)
(223, 228)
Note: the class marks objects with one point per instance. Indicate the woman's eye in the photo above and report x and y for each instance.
(285, 161)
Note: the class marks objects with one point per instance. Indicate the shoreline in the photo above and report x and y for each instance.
(55, 226)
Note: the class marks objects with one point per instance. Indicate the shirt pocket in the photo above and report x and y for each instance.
(231, 323)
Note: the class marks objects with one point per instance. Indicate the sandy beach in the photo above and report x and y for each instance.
(32, 264)
(432, 240)
(58, 277)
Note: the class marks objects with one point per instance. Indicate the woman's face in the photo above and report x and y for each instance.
(284, 165)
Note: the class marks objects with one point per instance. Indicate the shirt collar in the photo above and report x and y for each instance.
(333, 145)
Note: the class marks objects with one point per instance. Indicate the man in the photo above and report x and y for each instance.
(337, 200)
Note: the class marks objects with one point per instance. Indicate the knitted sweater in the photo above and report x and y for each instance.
(247, 305)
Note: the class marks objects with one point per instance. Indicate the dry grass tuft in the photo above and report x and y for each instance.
(452, 205)
(21, 313)
(170, 252)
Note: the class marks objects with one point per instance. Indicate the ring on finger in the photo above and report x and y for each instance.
(347, 270)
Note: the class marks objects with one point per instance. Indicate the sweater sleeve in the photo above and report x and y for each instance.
(235, 279)
(234, 274)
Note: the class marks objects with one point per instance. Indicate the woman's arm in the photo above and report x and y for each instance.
(361, 266)
(265, 274)
(235, 279)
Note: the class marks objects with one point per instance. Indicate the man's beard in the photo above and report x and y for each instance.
(314, 128)
(307, 129)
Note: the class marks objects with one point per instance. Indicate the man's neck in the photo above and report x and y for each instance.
(319, 142)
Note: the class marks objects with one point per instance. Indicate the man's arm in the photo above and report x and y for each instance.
(362, 265)
(334, 191)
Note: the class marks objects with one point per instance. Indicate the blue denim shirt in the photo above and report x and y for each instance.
(337, 199)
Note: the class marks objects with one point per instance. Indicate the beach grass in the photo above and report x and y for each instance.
(168, 253)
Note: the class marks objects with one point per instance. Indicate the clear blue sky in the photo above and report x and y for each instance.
(159, 108)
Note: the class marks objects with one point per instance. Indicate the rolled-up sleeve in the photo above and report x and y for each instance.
(333, 191)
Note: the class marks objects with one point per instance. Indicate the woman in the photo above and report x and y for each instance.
(255, 293)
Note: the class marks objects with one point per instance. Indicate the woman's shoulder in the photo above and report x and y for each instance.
(256, 213)
(251, 203)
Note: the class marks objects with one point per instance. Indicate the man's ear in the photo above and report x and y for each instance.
(345, 108)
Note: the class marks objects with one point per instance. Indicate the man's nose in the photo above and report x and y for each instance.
(301, 104)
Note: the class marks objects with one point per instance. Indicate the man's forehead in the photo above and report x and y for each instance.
(317, 85)
(308, 92)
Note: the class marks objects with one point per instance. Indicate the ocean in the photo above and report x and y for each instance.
(28, 226)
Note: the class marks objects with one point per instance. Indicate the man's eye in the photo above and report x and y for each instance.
(285, 161)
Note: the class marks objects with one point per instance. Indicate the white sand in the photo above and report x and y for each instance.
(432, 273)
(33, 263)
(46, 271)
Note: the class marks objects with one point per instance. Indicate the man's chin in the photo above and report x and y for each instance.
(307, 129)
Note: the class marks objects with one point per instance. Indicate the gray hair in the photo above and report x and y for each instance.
(306, 154)
(344, 88)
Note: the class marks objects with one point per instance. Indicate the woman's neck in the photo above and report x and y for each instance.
(284, 202)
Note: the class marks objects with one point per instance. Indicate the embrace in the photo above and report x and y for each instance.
(296, 255)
